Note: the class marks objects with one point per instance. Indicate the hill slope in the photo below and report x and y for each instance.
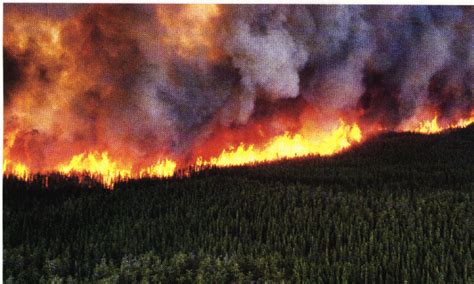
(395, 208)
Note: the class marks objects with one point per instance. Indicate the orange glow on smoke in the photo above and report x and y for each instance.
(189, 30)
(61, 79)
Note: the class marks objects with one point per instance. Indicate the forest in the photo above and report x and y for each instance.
(396, 208)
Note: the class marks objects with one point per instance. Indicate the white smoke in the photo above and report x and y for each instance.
(270, 61)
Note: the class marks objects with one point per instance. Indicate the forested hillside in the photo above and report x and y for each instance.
(396, 208)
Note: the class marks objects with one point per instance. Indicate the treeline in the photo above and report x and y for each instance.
(398, 208)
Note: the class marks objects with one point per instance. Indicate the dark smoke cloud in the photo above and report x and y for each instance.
(10, 78)
(383, 61)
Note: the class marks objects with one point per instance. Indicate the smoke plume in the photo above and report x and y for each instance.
(151, 81)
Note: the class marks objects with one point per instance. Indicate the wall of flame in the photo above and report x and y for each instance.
(123, 91)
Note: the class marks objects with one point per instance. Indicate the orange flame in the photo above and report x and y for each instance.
(286, 146)
(101, 167)
(19, 170)
(188, 31)
(429, 126)
(98, 165)
(464, 122)
(107, 171)
(163, 168)
(432, 126)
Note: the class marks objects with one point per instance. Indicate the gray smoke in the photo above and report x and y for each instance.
(382, 62)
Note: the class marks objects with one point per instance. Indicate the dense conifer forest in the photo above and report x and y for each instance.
(396, 208)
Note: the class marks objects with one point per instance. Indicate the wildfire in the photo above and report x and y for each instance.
(97, 165)
(189, 30)
(101, 167)
(121, 91)
(287, 146)
(163, 168)
(464, 122)
(429, 126)
(19, 170)
(432, 126)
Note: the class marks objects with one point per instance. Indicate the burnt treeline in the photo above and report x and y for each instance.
(396, 208)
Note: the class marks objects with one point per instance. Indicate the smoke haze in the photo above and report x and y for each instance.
(151, 81)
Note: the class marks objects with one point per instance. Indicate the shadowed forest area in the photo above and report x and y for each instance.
(395, 208)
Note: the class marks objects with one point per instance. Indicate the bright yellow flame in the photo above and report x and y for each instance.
(463, 122)
(101, 167)
(5, 164)
(429, 126)
(19, 170)
(163, 168)
(97, 165)
(287, 146)
(432, 126)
